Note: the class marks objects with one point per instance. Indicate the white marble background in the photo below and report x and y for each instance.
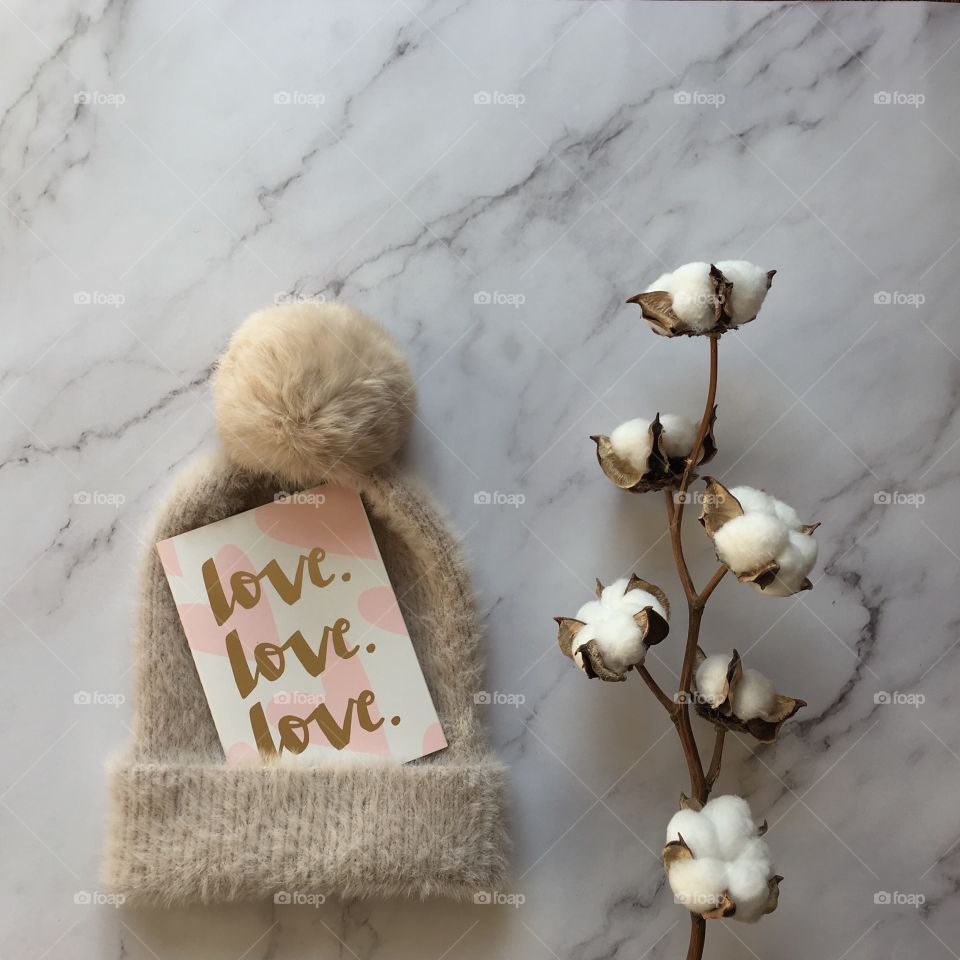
(139, 227)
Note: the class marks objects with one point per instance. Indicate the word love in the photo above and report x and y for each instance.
(270, 659)
(246, 590)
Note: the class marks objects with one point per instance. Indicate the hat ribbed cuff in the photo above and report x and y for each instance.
(211, 832)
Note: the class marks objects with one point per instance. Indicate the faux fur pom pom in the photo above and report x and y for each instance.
(312, 392)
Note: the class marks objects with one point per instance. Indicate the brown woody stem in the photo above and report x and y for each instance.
(700, 782)
(713, 770)
(657, 691)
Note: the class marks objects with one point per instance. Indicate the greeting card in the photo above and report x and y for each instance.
(297, 634)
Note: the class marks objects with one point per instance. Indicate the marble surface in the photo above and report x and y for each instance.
(165, 168)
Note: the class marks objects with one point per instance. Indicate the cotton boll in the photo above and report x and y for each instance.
(733, 821)
(747, 884)
(692, 294)
(749, 541)
(698, 884)
(619, 638)
(631, 441)
(750, 285)
(754, 696)
(679, 434)
(699, 834)
(753, 500)
(712, 677)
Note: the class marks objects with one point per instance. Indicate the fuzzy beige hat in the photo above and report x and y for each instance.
(305, 394)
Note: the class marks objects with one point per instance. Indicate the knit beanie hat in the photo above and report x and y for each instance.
(307, 394)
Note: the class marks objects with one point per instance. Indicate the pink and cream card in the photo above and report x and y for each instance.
(297, 636)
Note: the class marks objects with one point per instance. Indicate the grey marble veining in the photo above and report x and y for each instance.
(166, 168)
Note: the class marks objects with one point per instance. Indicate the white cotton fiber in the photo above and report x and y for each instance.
(631, 441)
(796, 561)
(754, 696)
(591, 610)
(618, 635)
(617, 597)
(691, 290)
(698, 884)
(747, 884)
(712, 678)
(697, 831)
(679, 434)
(750, 286)
(753, 500)
(731, 817)
(787, 514)
(749, 541)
